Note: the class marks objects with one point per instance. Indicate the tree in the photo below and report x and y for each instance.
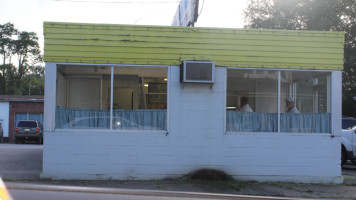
(321, 15)
(33, 83)
(7, 31)
(28, 51)
(24, 47)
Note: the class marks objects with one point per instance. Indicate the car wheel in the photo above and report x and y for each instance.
(343, 156)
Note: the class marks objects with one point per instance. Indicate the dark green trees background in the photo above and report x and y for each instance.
(320, 15)
(21, 67)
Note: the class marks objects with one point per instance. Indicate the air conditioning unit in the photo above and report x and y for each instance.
(197, 72)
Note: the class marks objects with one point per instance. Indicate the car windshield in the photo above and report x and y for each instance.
(29, 124)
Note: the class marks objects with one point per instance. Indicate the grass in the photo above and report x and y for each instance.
(349, 177)
(213, 179)
(218, 185)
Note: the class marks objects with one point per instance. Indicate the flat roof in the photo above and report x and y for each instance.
(21, 98)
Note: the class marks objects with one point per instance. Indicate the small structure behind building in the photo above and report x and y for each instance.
(16, 107)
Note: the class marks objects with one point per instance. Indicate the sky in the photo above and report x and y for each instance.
(29, 15)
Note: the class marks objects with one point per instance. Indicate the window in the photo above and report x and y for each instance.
(305, 102)
(252, 101)
(28, 116)
(105, 97)
(30, 124)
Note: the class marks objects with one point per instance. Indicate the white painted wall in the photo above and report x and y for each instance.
(196, 139)
(4, 116)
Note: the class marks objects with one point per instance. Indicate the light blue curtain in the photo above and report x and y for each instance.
(306, 123)
(122, 119)
(251, 121)
(268, 122)
(140, 119)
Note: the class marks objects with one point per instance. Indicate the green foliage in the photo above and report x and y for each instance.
(26, 76)
(322, 15)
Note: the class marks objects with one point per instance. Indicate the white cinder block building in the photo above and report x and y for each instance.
(151, 102)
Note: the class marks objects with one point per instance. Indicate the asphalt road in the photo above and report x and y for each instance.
(349, 169)
(25, 191)
(20, 161)
(54, 195)
(59, 195)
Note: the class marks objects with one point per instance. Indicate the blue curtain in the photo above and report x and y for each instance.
(100, 119)
(306, 123)
(267, 122)
(251, 121)
(140, 119)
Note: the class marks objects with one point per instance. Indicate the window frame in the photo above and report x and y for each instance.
(112, 66)
(329, 87)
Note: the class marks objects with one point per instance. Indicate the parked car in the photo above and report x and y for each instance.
(348, 122)
(29, 130)
(1, 133)
(90, 123)
(348, 145)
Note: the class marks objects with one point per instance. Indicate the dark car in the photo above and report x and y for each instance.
(29, 130)
(348, 122)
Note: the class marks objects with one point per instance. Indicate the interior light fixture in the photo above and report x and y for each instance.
(146, 84)
(231, 107)
(165, 79)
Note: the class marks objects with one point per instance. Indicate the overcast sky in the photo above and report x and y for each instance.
(28, 15)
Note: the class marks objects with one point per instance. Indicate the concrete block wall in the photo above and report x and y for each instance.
(196, 139)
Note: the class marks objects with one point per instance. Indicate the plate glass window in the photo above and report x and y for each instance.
(105, 97)
(305, 101)
(252, 100)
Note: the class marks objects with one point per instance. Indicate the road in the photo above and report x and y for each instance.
(20, 161)
(349, 169)
(19, 192)
(54, 195)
